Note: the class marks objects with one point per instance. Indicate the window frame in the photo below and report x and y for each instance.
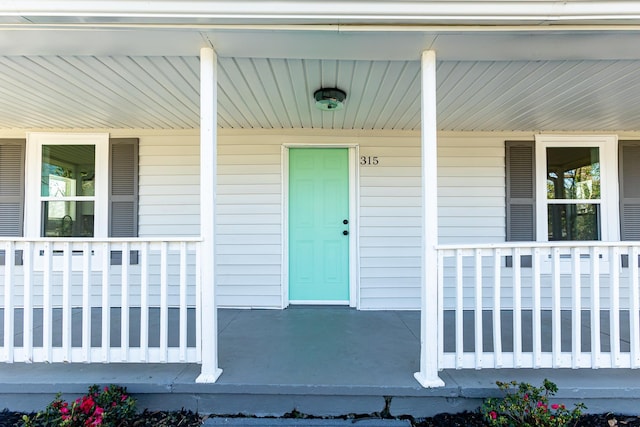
(609, 188)
(33, 198)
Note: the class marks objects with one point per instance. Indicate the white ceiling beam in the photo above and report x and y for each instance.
(399, 46)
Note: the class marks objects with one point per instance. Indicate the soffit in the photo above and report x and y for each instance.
(163, 92)
(148, 78)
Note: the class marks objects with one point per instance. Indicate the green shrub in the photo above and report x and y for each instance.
(527, 406)
(109, 407)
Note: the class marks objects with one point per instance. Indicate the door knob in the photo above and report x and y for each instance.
(345, 232)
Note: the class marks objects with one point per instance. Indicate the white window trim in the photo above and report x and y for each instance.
(33, 211)
(609, 201)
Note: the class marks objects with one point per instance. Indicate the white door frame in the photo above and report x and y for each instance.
(354, 214)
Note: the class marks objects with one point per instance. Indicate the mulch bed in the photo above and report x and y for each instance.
(465, 419)
(469, 419)
(143, 419)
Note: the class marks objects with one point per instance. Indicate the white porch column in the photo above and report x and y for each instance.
(208, 169)
(428, 375)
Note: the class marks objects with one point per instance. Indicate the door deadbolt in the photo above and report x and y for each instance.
(345, 222)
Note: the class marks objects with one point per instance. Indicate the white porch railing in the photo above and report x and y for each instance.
(111, 300)
(556, 305)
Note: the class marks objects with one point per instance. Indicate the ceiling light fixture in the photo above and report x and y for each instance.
(331, 99)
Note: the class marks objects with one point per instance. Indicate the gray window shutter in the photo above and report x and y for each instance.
(123, 187)
(629, 175)
(520, 190)
(12, 153)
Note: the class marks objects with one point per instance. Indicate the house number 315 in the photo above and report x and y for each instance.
(369, 160)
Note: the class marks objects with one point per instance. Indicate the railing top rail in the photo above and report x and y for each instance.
(555, 244)
(100, 239)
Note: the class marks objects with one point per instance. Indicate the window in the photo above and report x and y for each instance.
(60, 185)
(562, 188)
(81, 185)
(573, 193)
(67, 185)
(67, 194)
(577, 187)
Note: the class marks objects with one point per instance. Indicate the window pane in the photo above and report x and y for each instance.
(68, 170)
(67, 219)
(573, 173)
(574, 221)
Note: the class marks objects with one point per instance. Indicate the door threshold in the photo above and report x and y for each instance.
(312, 302)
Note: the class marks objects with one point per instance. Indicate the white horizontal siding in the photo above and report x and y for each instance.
(471, 209)
(249, 222)
(390, 225)
(471, 189)
(169, 186)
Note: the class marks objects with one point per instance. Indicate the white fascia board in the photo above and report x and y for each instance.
(329, 11)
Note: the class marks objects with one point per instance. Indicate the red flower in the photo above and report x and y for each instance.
(87, 404)
(493, 415)
(555, 406)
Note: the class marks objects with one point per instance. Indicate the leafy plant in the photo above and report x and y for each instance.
(527, 406)
(109, 407)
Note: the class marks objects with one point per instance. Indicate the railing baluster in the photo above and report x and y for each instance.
(556, 323)
(497, 321)
(595, 308)
(459, 311)
(66, 301)
(614, 305)
(46, 305)
(478, 308)
(199, 304)
(634, 307)
(537, 308)
(9, 314)
(27, 329)
(576, 314)
(440, 309)
(144, 302)
(86, 302)
(164, 308)
(183, 301)
(517, 309)
(106, 304)
(124, 304)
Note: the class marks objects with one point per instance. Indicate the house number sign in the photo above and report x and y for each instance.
(369, 161)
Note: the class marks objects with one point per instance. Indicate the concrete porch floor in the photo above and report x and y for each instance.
(317, 360)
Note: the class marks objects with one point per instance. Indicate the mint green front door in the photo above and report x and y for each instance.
(318, 235)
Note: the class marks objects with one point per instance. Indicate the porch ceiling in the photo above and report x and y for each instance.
(520, 81)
